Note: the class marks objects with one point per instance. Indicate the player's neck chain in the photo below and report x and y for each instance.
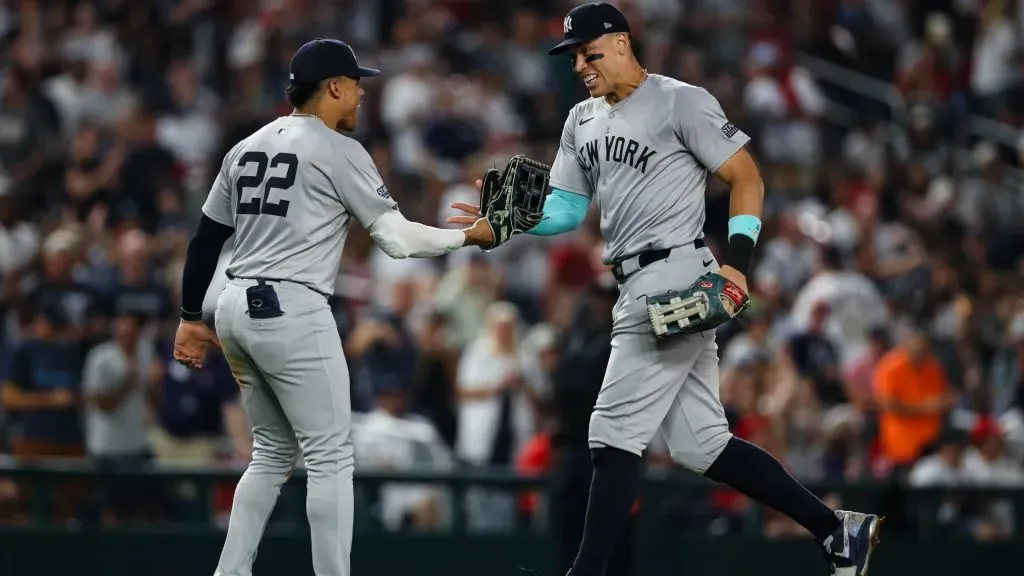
(642, 79)
(635, 88)
(307, 116)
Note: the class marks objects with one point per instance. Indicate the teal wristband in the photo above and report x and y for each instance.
(746, 224)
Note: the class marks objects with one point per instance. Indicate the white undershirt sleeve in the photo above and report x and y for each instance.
(400, 238)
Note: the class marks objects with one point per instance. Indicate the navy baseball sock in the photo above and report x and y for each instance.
(613, 490)
(757, 474)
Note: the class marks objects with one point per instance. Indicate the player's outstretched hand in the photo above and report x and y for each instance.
(480, 232)
(472, 210)
(190, 343)
(736, 277)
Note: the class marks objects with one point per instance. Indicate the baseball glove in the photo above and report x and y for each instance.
(705, 305)
(513, 201)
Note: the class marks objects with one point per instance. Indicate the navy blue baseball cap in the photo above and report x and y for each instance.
(588, 22)
(323, 58)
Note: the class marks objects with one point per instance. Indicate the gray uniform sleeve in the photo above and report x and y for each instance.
(566, 172)
(360, 187)
(704, 129)
(218, 204)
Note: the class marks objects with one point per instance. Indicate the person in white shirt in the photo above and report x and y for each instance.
(944, 469)
(494, 414)
(856, 305)
(992, 65)
(115, 387)
(391, 439)
(986, 463)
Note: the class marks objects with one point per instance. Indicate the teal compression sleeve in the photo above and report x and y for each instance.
(563, 212)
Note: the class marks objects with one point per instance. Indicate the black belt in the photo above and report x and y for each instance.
(263, 279)
(626, 267)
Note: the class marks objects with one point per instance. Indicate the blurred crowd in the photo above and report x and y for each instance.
(886, 338)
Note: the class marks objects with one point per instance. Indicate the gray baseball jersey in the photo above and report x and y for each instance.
(645, 161)
(290, 191)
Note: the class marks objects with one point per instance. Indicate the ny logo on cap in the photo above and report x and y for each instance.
(567, 25)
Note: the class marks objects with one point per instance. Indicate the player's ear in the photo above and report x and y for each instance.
(622, 44)
(334, 87)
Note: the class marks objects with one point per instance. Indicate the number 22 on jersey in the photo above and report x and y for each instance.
(262, 202)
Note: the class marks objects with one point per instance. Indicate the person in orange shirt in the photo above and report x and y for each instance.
(913, 398)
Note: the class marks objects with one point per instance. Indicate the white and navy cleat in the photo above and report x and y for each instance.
(850, 546)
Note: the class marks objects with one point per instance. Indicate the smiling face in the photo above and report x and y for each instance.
(603, 63)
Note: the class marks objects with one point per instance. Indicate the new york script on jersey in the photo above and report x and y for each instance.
(616, 149)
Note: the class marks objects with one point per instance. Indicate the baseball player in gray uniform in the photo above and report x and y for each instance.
(288, 194)
(642, 147)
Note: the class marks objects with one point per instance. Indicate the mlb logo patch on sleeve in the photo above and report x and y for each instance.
(383, 191)
(729, 129)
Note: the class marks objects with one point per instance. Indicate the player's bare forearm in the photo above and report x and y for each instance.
(747, 189)
(746, 203)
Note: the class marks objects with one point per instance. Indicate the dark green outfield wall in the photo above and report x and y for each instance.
(183, 555)
(191, 548)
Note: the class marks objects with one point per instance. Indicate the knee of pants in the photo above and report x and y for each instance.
(699, 456)
(275, 460)
(322, 458)
(607, 432)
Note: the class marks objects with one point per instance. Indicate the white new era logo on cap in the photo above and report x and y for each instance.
(567, 25)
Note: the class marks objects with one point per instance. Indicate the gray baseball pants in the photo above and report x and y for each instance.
(670, 386)
(295, 389)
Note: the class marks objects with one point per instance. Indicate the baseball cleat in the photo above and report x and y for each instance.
(849, 548)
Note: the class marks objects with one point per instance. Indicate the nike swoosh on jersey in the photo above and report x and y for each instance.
(707, 263)
(585, 120)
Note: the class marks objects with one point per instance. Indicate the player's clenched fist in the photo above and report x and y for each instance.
(736, 277)
(190, 343)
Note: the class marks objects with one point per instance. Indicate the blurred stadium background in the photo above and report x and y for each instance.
(891, 267)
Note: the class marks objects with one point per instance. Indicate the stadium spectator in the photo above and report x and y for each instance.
(753, 343)
(115, 388)
(42, 394)
(816, 359)
(53, 284)
(382, 349)
(859, 375)
(43, 390)
(988, 464)
(992, 65)
(464, 294)
(855, 304)
(115, 391)
(788, 258)
(495, 415)
(433, 389)
(390, 438)
(913, 398)
(195, 411)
